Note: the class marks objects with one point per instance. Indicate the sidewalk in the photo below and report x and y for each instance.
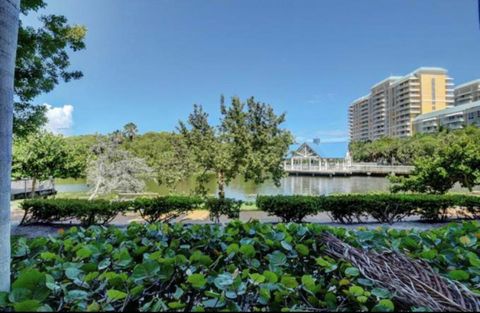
(202, 217)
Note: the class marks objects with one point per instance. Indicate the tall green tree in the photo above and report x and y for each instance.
(167, 154)
(249, 141)
(455, 160)
(130, 131)
(42, 63)
(42, 155)
(9, 15)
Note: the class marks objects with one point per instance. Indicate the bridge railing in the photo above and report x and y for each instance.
(345, 167)
(25, 186)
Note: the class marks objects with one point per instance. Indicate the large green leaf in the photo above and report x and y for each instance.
(33, 285)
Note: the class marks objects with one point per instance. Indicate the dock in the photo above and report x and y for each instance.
(22, 189)
(344, 169)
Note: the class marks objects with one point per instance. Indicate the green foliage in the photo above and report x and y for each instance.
(223, 206)
(385, 208)
(165, 153)
(346, 209)
(42, 62)
(90, 212)
(289, 208)
(58, 210)
(455, 160)
(248, 142)
(166, 208)
(407, 150)
(43, 155)
(162, 267)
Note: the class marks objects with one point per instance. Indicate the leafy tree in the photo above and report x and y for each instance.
(405, 150)
(455, 160)
(42, 62)
(113, 169)
(9, 14)
(43, 155)
(166, 153)
(130, 131)
(248, 142)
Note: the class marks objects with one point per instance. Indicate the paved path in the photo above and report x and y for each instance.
(202, 217)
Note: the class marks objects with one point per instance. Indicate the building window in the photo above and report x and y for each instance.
(471, 116)
(478, 113)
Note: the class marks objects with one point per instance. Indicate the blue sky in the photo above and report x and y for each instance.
(149, 61)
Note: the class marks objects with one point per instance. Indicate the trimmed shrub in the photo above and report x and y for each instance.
(470, 205)
(164, 209)
(344, 209)
(289, 208)
(218, 207)
(433, 207)
(385, 208)
(59, 210)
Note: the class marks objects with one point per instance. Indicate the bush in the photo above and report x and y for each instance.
(470, 205)
(289, 208)
(226, 206)
(90, 212)
(240, 267)
(164, 209)
(385, 208)
(344, 209)
(58, 210)
(433, 207)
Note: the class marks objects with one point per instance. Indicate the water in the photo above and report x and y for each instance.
(303, 185)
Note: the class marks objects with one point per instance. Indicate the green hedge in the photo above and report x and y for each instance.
(385, 208)
(164, 209)
(58, 210)
(100, 212)
(289, 208)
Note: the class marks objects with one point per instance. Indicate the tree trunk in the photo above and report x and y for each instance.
(34, 184)
(221, 185)
(95, 191)
(9, 12)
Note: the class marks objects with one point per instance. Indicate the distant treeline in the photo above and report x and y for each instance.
(406, 150)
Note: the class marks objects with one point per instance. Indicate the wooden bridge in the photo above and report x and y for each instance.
(347, 169)
(22, 189)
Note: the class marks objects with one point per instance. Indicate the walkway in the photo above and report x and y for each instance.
(202, 217)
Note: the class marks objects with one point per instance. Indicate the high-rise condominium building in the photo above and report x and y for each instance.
(358, 119)
(468, 92)
(394, 102)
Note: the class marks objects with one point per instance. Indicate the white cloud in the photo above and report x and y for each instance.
(325, 136)
(60, 119)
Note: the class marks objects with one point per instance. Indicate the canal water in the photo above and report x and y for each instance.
(302, 185)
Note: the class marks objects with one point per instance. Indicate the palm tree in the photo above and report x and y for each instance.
(9, 12)
(130, 131)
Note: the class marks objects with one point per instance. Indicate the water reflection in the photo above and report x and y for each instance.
(303, 185)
